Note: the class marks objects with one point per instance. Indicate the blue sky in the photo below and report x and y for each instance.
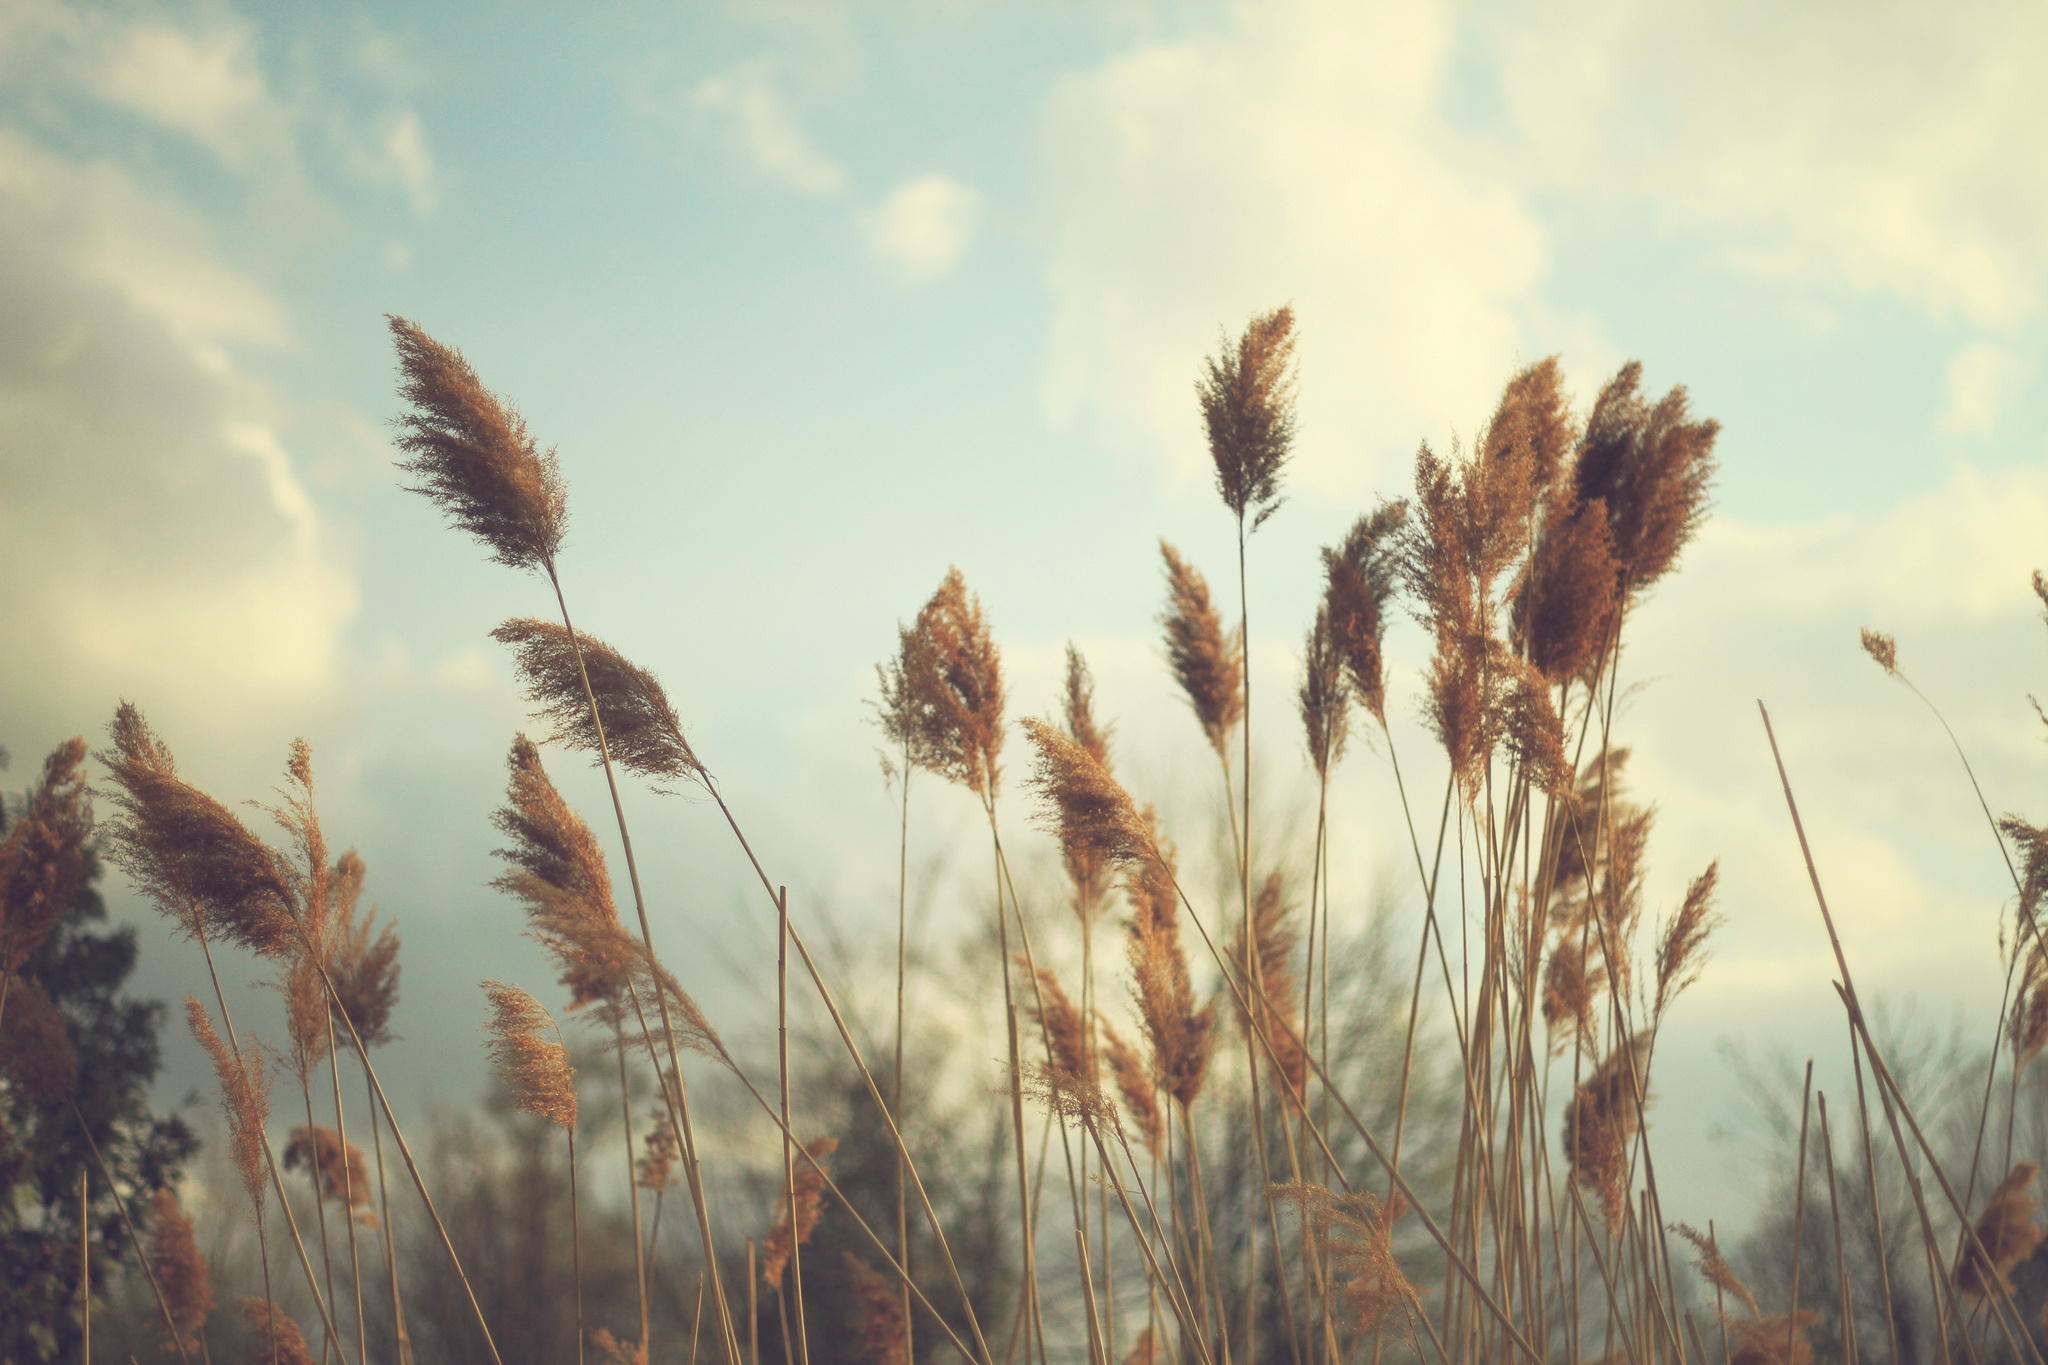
(817, 299)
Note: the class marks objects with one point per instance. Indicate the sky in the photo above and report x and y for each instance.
(817, 299)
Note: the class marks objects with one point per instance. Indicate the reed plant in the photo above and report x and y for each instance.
(1244, 1179)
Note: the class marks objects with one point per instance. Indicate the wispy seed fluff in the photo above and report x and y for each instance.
(795, 1220)
(1356, 1231)
(952, 681)
(641, 729)
(1247, 396)
(1359, 579)
(559, 875)
(336, 1168)
(1325, 697)
(277, 1340)
(1600, 1122)
(43, 857)
(245, 1096)
(1715, 1269)
(474, 457)
(188, 853)
(536, 1069)
(2006, 1228)
(180, 1271)
(1207, 667)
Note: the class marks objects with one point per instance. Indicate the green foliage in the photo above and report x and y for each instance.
(43, 1148)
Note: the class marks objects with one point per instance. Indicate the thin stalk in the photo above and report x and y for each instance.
(85, 1263)
(902, 965)
(327, 1344)
(348, 1190)
(390, 1246)
(796, 1265)
(727, 1339)
(177, 1338)
(575, 1242)
(753, 1307)
(632, 1181)
(1799, 1214)
(1827, 1147)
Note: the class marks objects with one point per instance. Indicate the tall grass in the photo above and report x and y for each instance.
(1245, 1183)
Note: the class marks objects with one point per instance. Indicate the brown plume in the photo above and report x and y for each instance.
(36, 1051)
(1097, 824)
(1535, 415)
(1359, 579)
(1247, 396)
(1779, 1339)
(536, 1070)
(336, 1169)
(362, 960)
(2027, 1025)
(244, 1095)
(43, 858)
(641, 730)
(654, 1168)
(474, 457)
(1066, 1032)
(1180, 1033)
(1651, 468)
(180, 1271)
(1682, 947)
(1716, 1269)
(1601, 1121)
(1357, 1234)
(1134, 1081)
(612, 1351)
(1566, 610)
(2006, 1228)
(561, 879)
(1144, 1350)
(809, 1203)
(1883, 648)
(1088, 873)
(186, 852)
(1207, 667)
(1273, 942)
(277, 1340)
(952, 690)
(1325, 696)
(1571, 986)
(877, 1314)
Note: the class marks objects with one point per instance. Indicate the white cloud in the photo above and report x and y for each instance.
(923, 228)
(160, 542)
(1299, 155)
(203, 84)
(1981, 380)
(1898, 147)
(767, 128)
(405, 145)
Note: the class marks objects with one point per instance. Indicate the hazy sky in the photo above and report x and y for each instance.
(817, 299)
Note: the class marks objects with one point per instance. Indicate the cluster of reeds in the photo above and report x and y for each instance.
(1528, 1225)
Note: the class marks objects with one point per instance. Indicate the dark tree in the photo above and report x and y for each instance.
(76, 1056)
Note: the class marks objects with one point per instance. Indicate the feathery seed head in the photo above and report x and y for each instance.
(1135, 1082)
(794, 1219)
(1779, 1339)
(1570, 988)
(1715, 1270)
(1565, 613)
(1601, 1121)
(1357, 1234)
(1360, 577)
(560, 877)
(953, 688)
(658, 1155)
(641, 730)
(1883, 648)
(1208, 668)
(336, 1168)
(1053, 1011)
(1181, 1033)
(2006, 1229)
(1535, 415)
(362, 962)
(43, 859)
(1272, 995)
(180, 1271)
(474, 457)
(1247, 396)
(1325, 696)
(877, 1314)
(535, 1069)
(612, 1351)
(1087, 872)
(1681, 949)
(1652, 467)
(244, 1095)
(188, 853)
(277, 1340)
(1097, 824)
(36, 1051)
